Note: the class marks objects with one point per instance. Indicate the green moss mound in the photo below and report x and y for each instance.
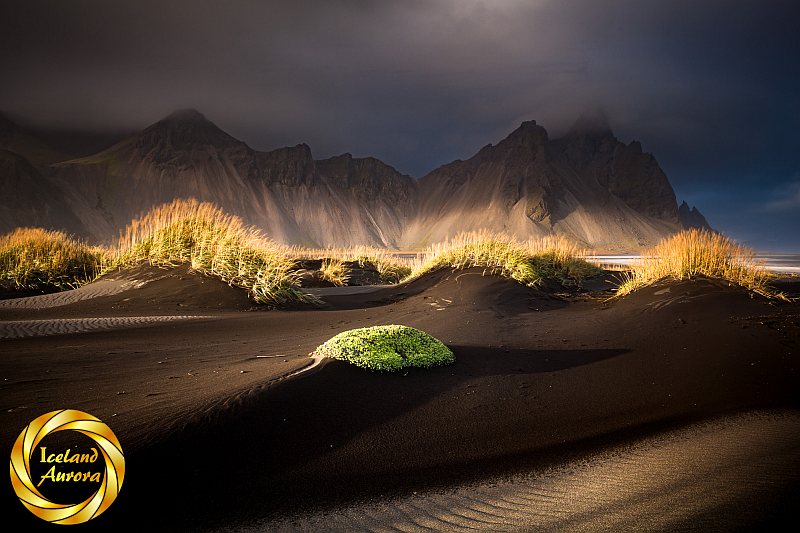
(387, 348)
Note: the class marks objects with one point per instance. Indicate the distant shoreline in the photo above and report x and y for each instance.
(777, 263)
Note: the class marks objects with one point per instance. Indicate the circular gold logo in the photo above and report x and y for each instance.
(110, 480)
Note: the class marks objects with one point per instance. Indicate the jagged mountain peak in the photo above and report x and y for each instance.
(685, 208)
(528, 132)
(692, 217)
(594, 189)
(185, 121)
(184, 130)
(636, 146)
(184, 115)
(348, 159)
(593, 123)
(347, 163)
(300, 152)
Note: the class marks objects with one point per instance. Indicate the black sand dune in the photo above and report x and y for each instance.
(216, 435)
(141, 290)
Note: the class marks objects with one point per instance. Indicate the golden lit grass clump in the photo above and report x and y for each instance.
(334, 271)
(213, 243)
(551, 258)
(391, 268)
(34, 258)
(217, 244)
(183, 232)
(694, 253)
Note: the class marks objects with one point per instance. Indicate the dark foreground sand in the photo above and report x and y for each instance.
(656, 483)
(592, 405)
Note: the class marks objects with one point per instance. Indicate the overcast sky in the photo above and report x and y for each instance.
(712, 88)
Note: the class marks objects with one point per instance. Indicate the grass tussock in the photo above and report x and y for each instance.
(531, 263)
(392, 269)
(694, 253)
(213, 243)
(220, 245)
(335, 272)
(387, 348)
(38, 259)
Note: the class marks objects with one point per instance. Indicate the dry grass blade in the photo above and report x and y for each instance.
(390, 266)
(35, 258)
(334, 271)
(214, 243)
(530, 263)
(694, 253)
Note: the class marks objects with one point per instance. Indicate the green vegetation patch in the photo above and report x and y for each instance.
(387, 348)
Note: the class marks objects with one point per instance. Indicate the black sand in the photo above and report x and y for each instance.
(217, 437)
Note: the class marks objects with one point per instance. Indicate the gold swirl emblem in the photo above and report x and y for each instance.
(92, 427)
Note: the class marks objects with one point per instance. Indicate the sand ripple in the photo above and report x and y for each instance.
(61, 326)
(702, 478)
(95, 289)
(108, 285)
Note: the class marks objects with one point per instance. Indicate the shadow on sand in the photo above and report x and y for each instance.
(255, 457)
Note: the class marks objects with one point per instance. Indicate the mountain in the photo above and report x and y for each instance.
(30, 199)
(692, 218)
(292, 197)
(624, 170)
(586, 185)
(21, 141)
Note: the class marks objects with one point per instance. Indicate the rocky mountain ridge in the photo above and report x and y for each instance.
(586, 185)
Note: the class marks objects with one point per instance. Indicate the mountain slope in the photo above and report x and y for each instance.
(30, 199)
(29, 196)
(625, 171)
(19, 140)
(587, 185)
(283, 192)
(692, 218)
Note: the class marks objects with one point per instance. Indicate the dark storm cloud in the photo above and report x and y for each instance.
(710, 87)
